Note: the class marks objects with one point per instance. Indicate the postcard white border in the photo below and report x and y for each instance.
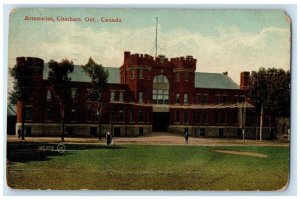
(291, 190)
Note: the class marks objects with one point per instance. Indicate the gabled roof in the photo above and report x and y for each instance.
(214, 81)
(11, 110)
(202, 79)
(78, 74)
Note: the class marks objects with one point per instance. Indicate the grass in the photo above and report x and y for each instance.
(149, 167)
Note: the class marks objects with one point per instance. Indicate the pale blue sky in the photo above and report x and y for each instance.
(220, 40)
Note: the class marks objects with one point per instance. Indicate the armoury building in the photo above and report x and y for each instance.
(146, 95)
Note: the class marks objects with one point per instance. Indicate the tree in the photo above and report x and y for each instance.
(269, 90)
(60, 85)
(23, 87)
(99, 85)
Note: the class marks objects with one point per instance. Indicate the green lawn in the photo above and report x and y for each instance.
(135, 167)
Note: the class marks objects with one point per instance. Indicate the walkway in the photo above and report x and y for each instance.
(156, 139)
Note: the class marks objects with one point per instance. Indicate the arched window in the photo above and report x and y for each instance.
(160, 79)
(160, 93)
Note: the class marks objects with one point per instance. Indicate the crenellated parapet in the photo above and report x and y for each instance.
(37, 64)
(137, 59)
(187, 62)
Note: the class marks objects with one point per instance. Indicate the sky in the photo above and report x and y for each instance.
(220, 40)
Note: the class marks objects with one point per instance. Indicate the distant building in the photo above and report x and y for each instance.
(146, 95)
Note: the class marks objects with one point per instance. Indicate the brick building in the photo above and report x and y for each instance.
(146, 95)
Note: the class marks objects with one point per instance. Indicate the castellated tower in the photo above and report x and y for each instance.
(136, 71)
(36, 98)
(184, 78)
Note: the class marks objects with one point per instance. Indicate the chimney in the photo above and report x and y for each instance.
(244, 80)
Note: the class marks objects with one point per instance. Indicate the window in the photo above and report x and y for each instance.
(177, 76)
(160, 96)
(154, 96)
(196, 116)
(141, 74)
(28, 112)
(131, 116)
(89, 94)
(198, 98)
(186, 76)
(185, 117)
(160, 79)
(140, 97)
(141, 131)
(203, 117)
(236, 99)
(177, 115)
(74, 94)
(112, 96)
(121, 115)
(221, 117)
(202, 131)
(177, 98)
(160, 93)
(131, 94)
(224, 99)
(185, 98)
(90, 114)
(121, 96)
(148, 116)
(205, 99)
(113, 116)
(140, 116)
(73, 115)
(132, 74)
(48, 116)
(48, 95)
(217, 99)
(242, 98)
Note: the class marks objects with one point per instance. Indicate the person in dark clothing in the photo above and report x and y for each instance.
(19, 133)
(108, 138)
(186, 136)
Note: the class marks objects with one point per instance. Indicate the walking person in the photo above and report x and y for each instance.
(108, 138)
(186, 135)
(19, 133)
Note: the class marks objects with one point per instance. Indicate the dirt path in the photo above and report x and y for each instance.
(242, 153)
(156, 139)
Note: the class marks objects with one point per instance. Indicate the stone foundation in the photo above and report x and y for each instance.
(223, 131)
(85, 130)
(122, 130)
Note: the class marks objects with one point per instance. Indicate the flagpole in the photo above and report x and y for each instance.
(261, 121)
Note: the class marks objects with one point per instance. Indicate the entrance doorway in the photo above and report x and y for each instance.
(28, 131)
(93, 131)
(161, 121)
(117, 131)
(221, 132)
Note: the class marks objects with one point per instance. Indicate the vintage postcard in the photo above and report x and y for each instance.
(148, 99)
